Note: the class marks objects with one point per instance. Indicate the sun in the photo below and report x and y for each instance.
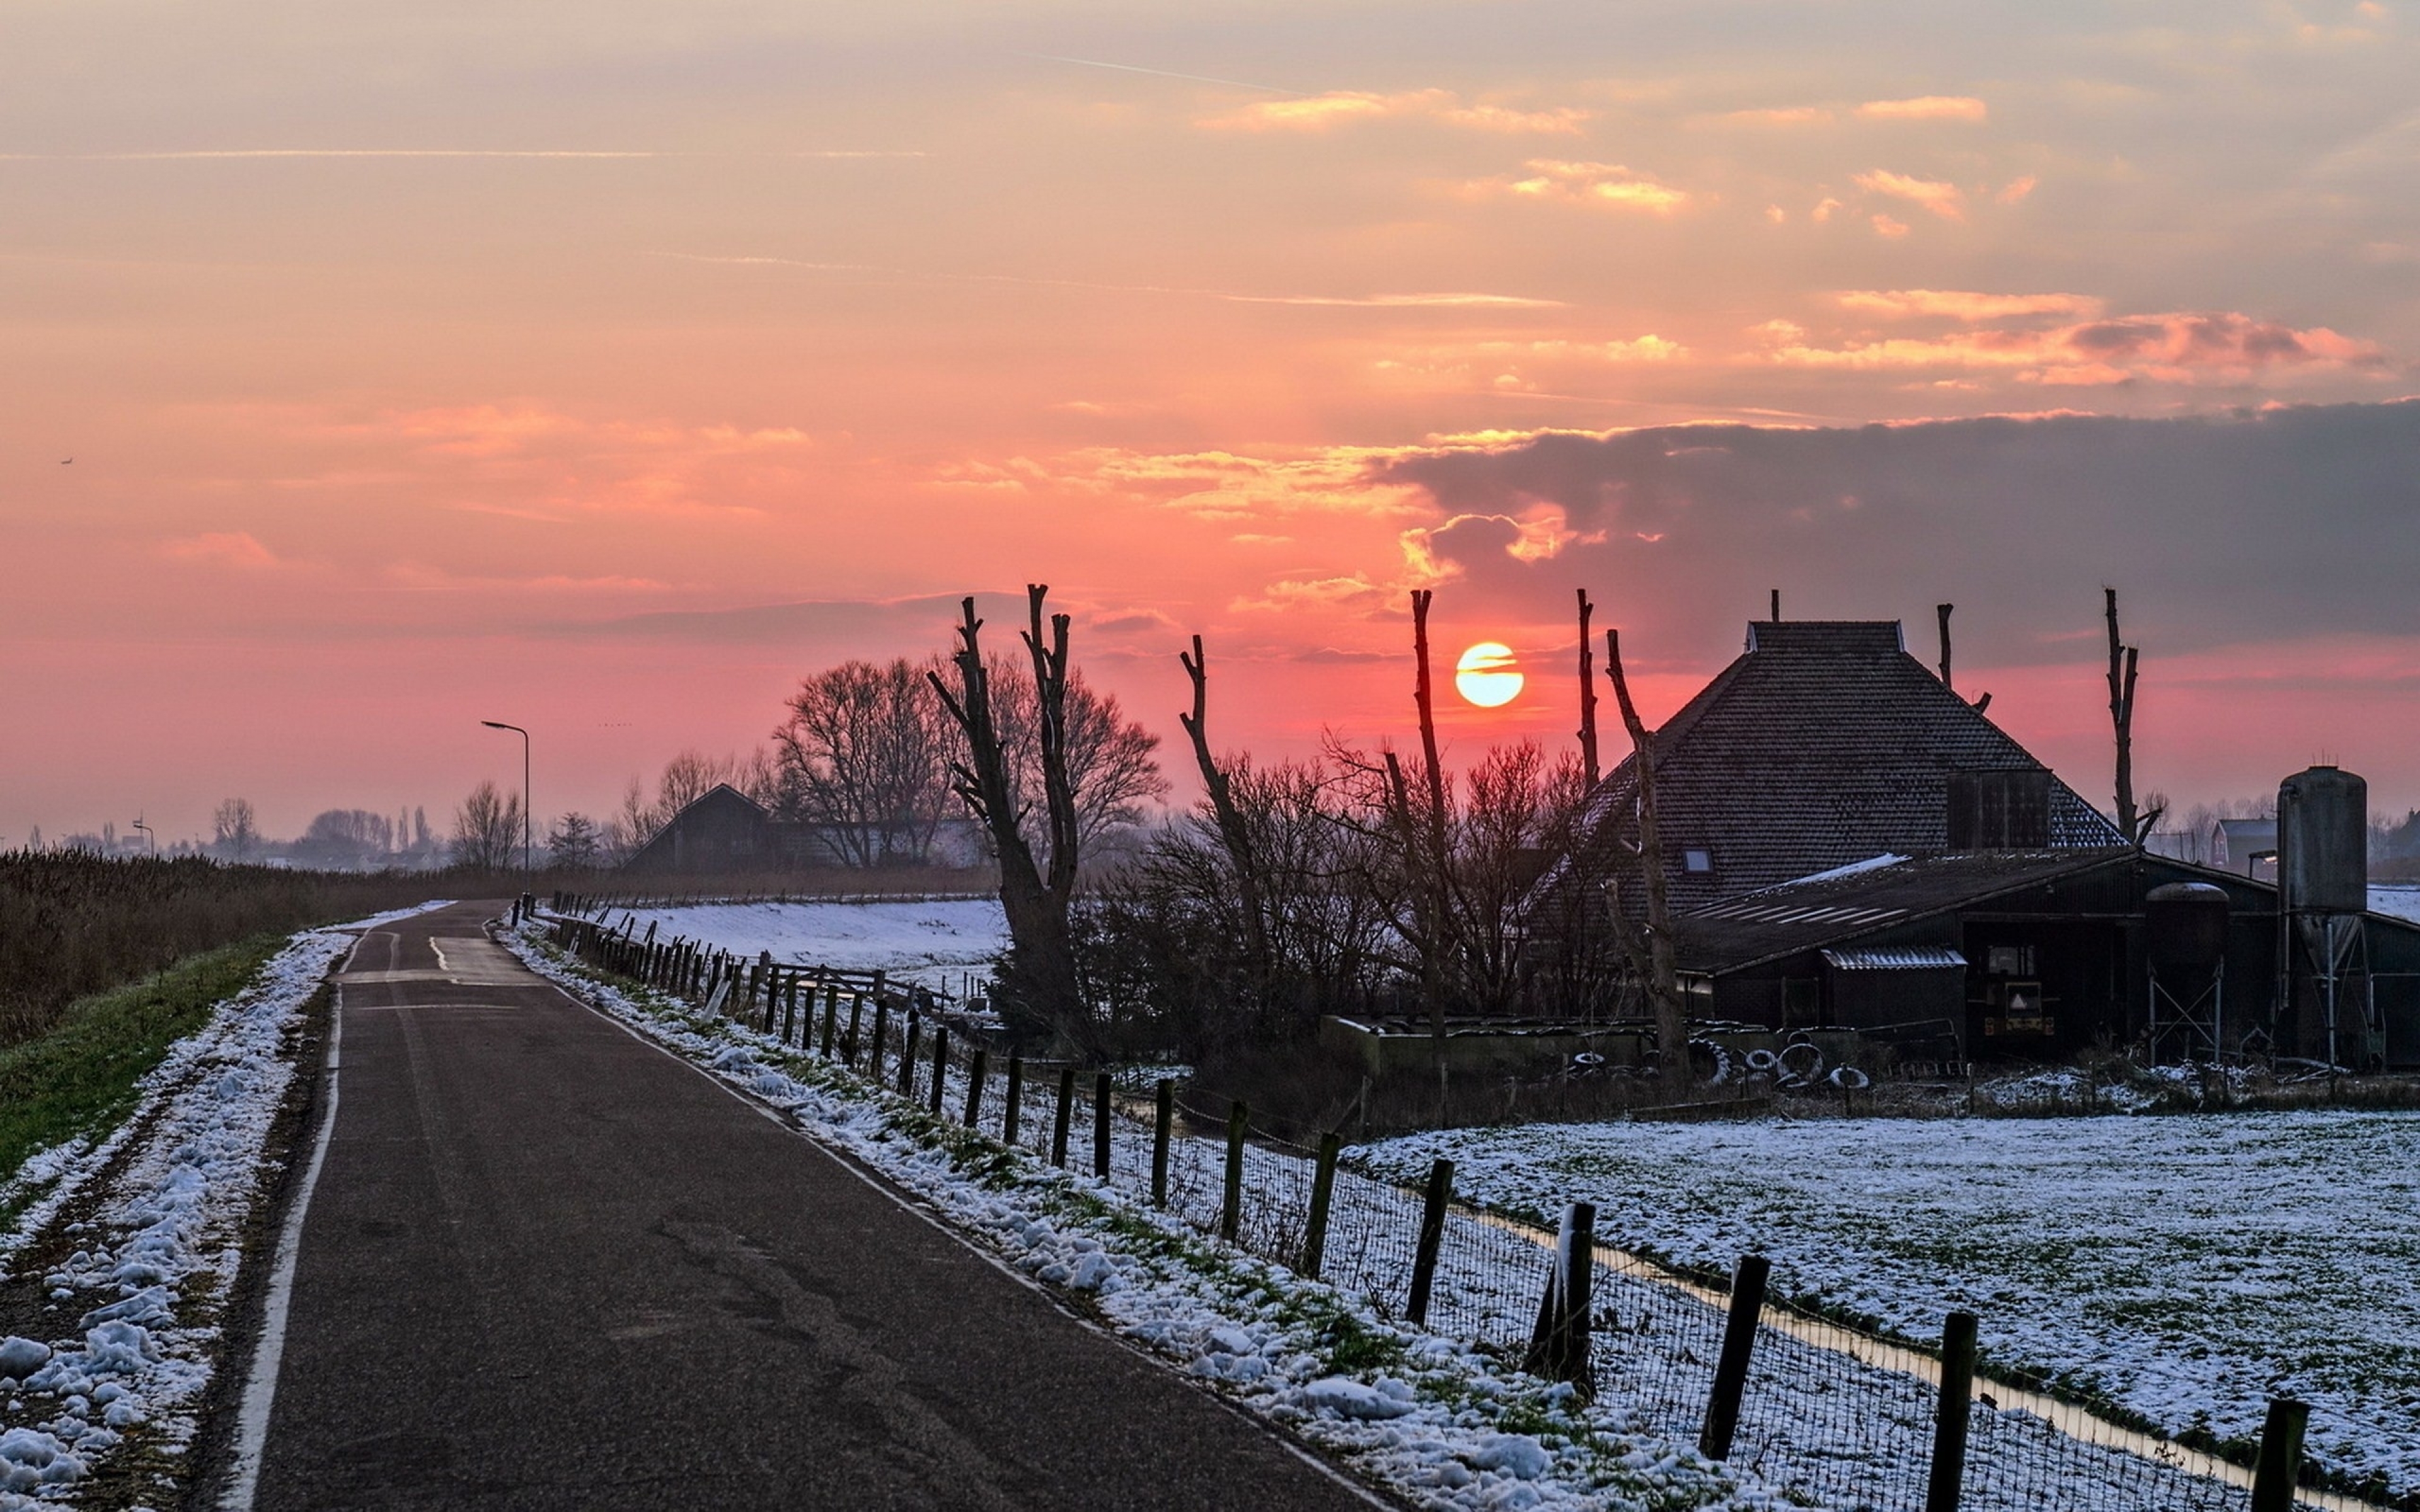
(1487, 677)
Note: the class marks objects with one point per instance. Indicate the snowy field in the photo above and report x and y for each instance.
(934, 943)
(2188, 1266)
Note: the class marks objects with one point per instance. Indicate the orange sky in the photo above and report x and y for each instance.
(445, 363)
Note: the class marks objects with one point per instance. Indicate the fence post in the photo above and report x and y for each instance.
(881, 1031)
(1101, 1125)
(1424, 1259)
(940, 1063)
(975, 1075)
(1161, 1127)
(790, 1014)
(1559, 1347)
(1957, 1403)
(1231, 1207)
(1015, 1101)
(1739, 1343)
(832, 1015)
(1323, 1190)
(2280, 1465)
(1066, 1108)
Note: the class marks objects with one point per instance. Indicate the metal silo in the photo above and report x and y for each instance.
(2323, 841)
(2185, 928)
(2326, 1008)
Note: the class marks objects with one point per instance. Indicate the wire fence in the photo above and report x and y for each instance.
(1826, 1414)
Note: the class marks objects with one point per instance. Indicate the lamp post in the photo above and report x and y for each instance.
(150, 841)
(529, 821)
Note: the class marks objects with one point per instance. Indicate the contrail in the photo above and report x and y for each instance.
(410, 152)
(1159, 73)
(1368, 301)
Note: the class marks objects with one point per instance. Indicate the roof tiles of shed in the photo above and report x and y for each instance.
(1822, 744)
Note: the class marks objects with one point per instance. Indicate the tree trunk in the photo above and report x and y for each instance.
(1671, 1025)
(1588, 694)
(1231, 829)
(1041, 968)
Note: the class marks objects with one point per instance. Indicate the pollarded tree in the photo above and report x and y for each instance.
(864, 756)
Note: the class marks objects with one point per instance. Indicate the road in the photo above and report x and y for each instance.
(544, 1265)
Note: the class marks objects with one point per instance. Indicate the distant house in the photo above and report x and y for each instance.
(723, 830)
(2247, 847)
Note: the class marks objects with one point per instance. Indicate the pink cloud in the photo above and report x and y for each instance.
(1945, 200)
(1925, 108)
(2017, 188)
(232, 548)
(2182, 348)
(1343, 107)
(1889, 227)
(1606, 185)
(1960, 304)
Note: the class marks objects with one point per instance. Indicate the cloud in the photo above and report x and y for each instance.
(1945, 200)
(215, 154)
(1353, 590)
(2187, 348)
(814, 628)
(1910, 304)
(2220, 528)
(1345, 107)
(1442, 300)
(1925, 108)
(2017, 188)
(228, 549)
(1889, 227)
(1606, 185)
(1785, 117)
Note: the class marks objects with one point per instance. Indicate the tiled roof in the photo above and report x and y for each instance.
(1824, 744)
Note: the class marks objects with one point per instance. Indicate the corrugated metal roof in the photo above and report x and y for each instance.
(1905, 958)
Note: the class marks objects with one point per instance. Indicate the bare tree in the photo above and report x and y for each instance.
(865, 755)
(1588, 693)
(236, 832)
(2123, 660)
(488, 829)
(1235, 835)
(1041, 968)
(1671, 1025)
(1113, 772)
(574, 842)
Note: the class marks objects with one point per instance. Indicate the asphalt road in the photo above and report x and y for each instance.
(545, 1265)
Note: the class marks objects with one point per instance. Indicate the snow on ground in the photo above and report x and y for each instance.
(2397, 899)
(2187, 1267)
(935, 944)
(1823, 1425)
(1433, 1419)
(163, 1244)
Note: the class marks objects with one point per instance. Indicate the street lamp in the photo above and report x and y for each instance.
(150, 841)
(529, 819)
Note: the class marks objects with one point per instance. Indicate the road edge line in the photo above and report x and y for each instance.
(268, 1349)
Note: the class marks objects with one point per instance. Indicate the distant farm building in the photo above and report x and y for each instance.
(723, 831)
(1849, 844)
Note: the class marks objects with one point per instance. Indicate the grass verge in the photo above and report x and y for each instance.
(79, 1076)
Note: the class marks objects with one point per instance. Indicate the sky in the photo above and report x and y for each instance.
(370, 372)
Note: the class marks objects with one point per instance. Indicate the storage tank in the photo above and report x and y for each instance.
(2323, 841)
(2185, 928)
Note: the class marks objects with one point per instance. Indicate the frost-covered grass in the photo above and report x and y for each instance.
(929, 943)
(76, 1081)
(2185, 1268)
(1432, 1419)
(163, 1197)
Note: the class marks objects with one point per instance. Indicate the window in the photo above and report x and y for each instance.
(2010, 961)
(1698, 863)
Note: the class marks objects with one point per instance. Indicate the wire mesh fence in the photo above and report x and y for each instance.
(1828, 1415)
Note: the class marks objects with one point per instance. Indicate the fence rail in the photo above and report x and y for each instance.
(1824, 1414)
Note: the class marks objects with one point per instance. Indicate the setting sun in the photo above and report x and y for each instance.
(1486, 675)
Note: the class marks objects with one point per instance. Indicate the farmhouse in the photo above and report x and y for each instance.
(1848, 843)
(723, 831)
